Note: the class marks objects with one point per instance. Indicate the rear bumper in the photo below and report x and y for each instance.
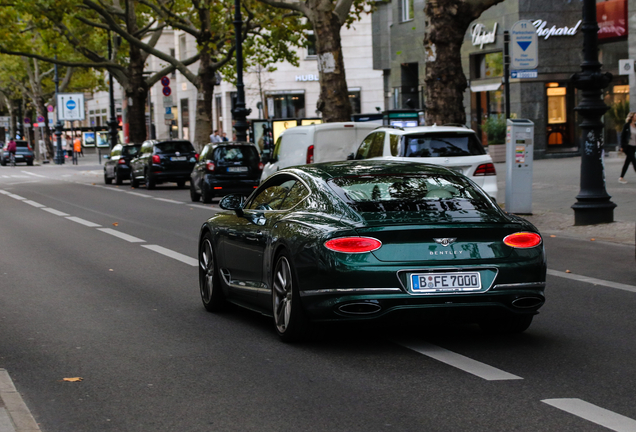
(170, 176)
(227, 186)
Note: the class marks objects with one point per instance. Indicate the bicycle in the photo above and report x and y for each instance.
(12, 159)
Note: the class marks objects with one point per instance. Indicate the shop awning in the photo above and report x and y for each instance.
(484, 87)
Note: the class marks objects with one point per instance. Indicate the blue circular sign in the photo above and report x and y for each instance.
(71, 104)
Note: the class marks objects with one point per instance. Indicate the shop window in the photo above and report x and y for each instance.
(556, 105)
(354, 100)
(406, 7)
(488, 65)
(286, 105)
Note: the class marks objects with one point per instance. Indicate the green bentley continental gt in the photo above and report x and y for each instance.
(366, 240)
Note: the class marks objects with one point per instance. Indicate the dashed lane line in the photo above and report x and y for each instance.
(83, 222)
(121, 235)
(55, 212)
(139, 194)
(593, 413)
(18, 197)
(459, 361)
(168, 200)
(172, 254)
(33, 174)
(34, 204)
(594, 281)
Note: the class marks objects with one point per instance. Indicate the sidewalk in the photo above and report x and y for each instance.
(555, 185)
(14, 414)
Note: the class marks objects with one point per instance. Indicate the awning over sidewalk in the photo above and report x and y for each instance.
(485, 87)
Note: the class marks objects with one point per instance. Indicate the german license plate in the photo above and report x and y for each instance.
(445, 282)
(19, 157)
(237, 169)
(178, 158)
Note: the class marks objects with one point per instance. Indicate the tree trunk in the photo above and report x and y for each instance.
(40, 108)
(446, 23)
(333, 102)
(205, 90)
(137, 93)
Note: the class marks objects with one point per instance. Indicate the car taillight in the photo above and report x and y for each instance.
(353, 244)
(522, 240)
(486, 169)
(156, 159)
(310, 154)
(121, 161)
(196, 156)
(29, 147)
(210, 166)
(261, 166)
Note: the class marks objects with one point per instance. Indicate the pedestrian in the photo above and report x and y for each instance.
(224, 136)
(12, 148)
(628, 144)
(215, 137)
(68, 147)
(77, 149)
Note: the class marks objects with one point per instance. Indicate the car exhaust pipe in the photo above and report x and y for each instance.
(527, 302)
(360, 308)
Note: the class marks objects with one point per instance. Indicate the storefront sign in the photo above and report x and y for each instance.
(307, 78)
(520, 74)
(612, 19)
(545, 32)
(482, 37)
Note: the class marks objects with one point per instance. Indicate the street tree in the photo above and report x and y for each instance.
(446, 24)
(326, 18)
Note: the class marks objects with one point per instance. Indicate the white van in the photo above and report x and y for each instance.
(326, 142)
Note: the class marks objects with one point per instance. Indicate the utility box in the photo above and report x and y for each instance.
(519, 157)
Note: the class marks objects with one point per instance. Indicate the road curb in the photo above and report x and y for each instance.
(15, 410)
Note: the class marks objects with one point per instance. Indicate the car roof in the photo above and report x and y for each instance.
(330, 170)
(231, 143)
(425, 129)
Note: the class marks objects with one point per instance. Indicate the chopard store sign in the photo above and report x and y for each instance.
(481, 36)
(545, 32)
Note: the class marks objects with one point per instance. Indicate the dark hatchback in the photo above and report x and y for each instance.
(117, 166)
(224, 168)
(163, 161)
(23, 154)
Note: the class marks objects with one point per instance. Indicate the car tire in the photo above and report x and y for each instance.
(194, 195)
(3, 162)
(290, 321)
(151, 183)
(107, 179)
(206, 195)
(30, 163)
(209, 281)
(134, 183)
(181, 184)
(118, 179)
(511, 324)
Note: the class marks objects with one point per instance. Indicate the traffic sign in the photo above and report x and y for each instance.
(40, 119)
(515, 74)
(71, 106)
(27, 120)
(50, 108)
(168, 116)
(525, 46)
(168, 110)
(166, 91)
(165, 81)
(167, 101)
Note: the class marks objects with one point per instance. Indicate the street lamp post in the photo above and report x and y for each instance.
(59, 156)
(239, 113)
(593, 204)
(112, 123)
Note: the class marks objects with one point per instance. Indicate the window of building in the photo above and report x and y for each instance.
(173, 74)
(354, 100)
(406, 7)
(556, 105)
(185, 119)
(182, 47)
(218, 111)
(286, 105)
(311, 48)
(488, 65)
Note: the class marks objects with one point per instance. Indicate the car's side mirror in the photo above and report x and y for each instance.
(351, 156)
(106, 156)
(233, 202)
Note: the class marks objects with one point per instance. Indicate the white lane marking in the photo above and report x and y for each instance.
(34, 204)
(620, 286)
(172, 254)
(4, 192)
(121, 235)
(83, 221)
(140, 194)
(595, 414)
(66, 175)
(55, 212)
(5, 176)
(459, 361)
(36, 175)
(215, 209)
(18, 197)
(169, 200)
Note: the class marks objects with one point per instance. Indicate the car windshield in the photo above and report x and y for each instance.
(130, 150)
(381, 193)
(21, 144)
(442, 144)
(236, 155)
(174, 146)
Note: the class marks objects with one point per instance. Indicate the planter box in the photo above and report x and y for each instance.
(497, 152)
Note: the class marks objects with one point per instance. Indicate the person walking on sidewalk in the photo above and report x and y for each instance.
(628, 144)
(77, 149)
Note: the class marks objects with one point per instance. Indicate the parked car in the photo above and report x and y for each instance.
(163, 161)
(23, 154)
(225, 167)
(367, 240)
(117, 165)
(327, 142)
(457, 148)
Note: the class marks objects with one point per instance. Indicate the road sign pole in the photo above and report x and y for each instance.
(507, 72)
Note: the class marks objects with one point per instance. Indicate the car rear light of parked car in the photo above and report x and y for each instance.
(486, 169)
(196, 157)
(353, 244)
(210, 166)
(261, 166)
(156, 159)
(310, 154)
(522, 240)
(121, 161)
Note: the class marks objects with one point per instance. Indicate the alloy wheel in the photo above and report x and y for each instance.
(207, 266)
(282, 297)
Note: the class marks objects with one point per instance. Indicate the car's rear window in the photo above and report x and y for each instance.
(174, 146)
(236, 154)
(130, 150)
(377, 193)
(21, 144)
(442, 144)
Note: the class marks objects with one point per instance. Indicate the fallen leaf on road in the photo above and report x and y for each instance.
(568, 271)
(592, 239)
(115, 223)
(93, 184)
(111, 270)
(552, 235)
(74, 379)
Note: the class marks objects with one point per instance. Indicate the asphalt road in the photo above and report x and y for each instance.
(100, 282)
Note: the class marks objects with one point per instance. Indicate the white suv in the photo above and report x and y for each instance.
(457, 148)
